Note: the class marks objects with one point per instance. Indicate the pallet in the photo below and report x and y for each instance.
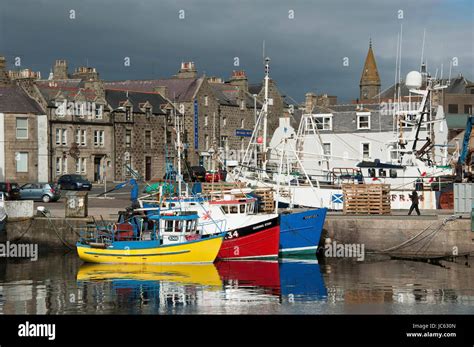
(366, 199)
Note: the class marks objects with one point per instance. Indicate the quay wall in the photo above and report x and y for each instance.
(430, 237)
(376, 233)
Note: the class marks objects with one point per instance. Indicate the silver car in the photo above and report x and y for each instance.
(46, 192)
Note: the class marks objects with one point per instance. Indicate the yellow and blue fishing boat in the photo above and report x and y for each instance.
(165, 238)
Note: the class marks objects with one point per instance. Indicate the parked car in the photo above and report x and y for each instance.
(10, 190)
(199, 172)
(74, 182)
(45, 192)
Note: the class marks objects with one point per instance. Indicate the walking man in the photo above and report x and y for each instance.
(414, 203)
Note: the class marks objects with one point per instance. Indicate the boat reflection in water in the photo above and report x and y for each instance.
(290, 280)
(210, 288)
(145, 288)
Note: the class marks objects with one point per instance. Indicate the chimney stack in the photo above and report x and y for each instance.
(239, 79)
(310, 102)
(188, 70)
(60, 70)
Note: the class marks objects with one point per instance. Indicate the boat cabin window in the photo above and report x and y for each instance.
(225, 208)
(393, 173)
(249, 208)
(382, 173)
(372, 172)
(242, 208)
(233, 209)
(169, 226)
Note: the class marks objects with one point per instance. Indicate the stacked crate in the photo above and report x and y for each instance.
(366, 198)
(267, 202)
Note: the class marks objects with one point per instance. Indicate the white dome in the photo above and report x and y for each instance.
(414, 80)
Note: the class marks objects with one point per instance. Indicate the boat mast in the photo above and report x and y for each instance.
(178, 148)
(265, 115)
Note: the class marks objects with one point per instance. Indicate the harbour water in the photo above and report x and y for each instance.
(62, 284)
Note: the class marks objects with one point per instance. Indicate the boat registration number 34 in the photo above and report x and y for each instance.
(232, 235)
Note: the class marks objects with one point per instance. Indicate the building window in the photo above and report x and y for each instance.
(22, 162)
(148, 112)
(327, 150)
(323, 122)
(363, 120)
(98, 111)
(365, 151)
(242, 104)
(61, 137)
(225, 142)
(206, 100)
(58, 165)
(81, 137)
(224, 121)
(99, 138)
(206, 142)
(242, 144)
(468, 109)
(206, 120)
(452, 108)
(242, 123)
(22, 128)
(128, 138)
(81, 165)
(148, 138)
(61, 165)
(80, 109)
(128, 114)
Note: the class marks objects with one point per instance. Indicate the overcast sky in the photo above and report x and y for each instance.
(306, 52)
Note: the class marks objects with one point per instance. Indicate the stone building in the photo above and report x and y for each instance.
(238, 110)
(277, 106)
(80, 123)
(192, 96)
(142, 123)
(23, 134)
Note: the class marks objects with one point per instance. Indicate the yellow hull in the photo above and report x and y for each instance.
(202, 251)
(202, 274)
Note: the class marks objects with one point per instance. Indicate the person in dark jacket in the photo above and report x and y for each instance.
(414, 203)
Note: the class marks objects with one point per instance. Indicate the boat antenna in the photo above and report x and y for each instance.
(265, 114)
(423, 48)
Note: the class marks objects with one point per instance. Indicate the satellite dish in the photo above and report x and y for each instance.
(413, 80)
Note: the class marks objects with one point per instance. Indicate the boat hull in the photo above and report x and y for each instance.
(142, 252)
(260, 240)
(300, 232)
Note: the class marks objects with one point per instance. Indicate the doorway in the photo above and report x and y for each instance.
(147, 168)
(97, 169)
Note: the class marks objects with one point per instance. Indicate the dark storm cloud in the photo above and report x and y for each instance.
(307, 52)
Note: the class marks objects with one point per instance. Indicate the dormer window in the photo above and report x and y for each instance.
(98, 111)
(148, 112)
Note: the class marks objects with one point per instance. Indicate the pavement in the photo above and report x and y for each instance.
(109, 205)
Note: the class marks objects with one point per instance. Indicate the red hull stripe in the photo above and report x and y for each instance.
(264, 243)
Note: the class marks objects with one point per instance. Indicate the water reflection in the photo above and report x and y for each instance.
(62, 284)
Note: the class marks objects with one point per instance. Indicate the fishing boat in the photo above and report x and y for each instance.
(248, 234)
(167, 237)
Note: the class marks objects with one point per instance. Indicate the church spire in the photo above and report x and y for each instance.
(370, 80)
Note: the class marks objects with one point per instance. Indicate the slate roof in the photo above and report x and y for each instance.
(228, 95)
(115, 97)
(457, 85)
(255, 88)
(179, 89)
(14, 100)
(68, 88)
